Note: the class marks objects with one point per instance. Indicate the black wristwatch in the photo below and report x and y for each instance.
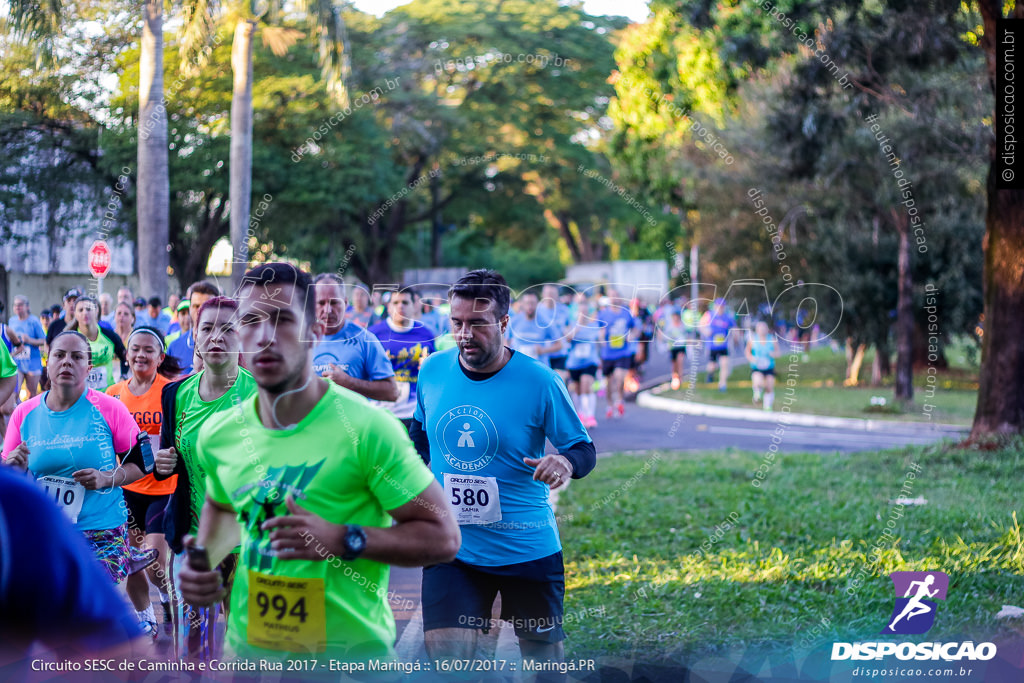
(354, 542)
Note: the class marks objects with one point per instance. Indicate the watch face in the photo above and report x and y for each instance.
(355, 540)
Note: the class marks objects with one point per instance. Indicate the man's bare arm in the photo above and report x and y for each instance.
(425, 533)
(377, 389)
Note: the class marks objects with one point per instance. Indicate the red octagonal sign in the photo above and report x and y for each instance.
(99, 259)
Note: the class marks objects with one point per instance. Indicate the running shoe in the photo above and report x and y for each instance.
(608, 415)
(149, 628)
(590, 421)
(621, 409)
(675, 383)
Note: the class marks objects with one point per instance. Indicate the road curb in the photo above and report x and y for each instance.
(647, 400)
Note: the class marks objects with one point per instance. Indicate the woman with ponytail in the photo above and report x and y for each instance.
(150, 370)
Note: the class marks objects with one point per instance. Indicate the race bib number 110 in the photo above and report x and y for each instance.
(97, 379)
(67, 493)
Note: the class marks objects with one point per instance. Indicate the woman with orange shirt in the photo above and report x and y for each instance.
(151, 370)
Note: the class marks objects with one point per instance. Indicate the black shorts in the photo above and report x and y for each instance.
(675, 352)
(608, 366)
(145, 512)
(460, 595)
(557, 363)
(715, 354)
(766, 372)
(577, 373)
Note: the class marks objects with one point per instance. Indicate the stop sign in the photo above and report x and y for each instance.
(99, 259)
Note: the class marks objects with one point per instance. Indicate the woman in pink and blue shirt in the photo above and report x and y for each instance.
(81, 447)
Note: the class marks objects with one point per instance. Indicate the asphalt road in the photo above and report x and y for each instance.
(643, 429)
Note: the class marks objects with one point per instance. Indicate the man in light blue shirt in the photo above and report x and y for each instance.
(554, 314)
(348, 354)
(153, 316)
(182, 344)
(528, 335)
(483, 412)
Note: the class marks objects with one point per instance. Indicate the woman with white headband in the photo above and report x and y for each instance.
(150, 370)
(108, 357)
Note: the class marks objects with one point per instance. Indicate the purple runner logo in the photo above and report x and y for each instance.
(914, 612)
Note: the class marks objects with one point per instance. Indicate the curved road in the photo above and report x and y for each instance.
(643, 429)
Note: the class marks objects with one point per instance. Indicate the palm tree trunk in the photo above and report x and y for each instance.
(153, 184)
(904, 385)
(240, 190)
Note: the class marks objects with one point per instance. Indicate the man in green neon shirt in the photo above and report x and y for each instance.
(308, 478)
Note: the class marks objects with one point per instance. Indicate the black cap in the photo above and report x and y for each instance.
(140, 301)
(73, 293)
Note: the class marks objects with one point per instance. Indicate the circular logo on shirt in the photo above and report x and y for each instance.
(468, 438)
(323, 361)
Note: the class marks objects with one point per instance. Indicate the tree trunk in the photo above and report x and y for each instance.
(876, 368)
(1001, 388)
(211, 230)
(904, 386)
(884, 358)
(240, 184)
(436, 224)
(152, 184)
(561, 221)
(854, 359)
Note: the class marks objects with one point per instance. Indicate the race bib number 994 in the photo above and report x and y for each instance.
(474, 499)
(286, 613)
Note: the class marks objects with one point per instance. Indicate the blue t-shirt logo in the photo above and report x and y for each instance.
(322, 363)
(468, 438)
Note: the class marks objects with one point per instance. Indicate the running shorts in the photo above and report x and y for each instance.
(608, 366)
(576, 373)
(461, 595)
(145, 512)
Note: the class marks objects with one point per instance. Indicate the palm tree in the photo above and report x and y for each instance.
(153, 181)
(40, 23)
(334, 62)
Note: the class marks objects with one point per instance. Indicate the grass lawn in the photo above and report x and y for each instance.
(785, 575)
(820, 391)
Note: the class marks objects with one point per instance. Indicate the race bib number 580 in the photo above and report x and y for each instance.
(286, 613)
(474, 499)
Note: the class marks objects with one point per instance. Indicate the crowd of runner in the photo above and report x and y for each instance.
(268, 455)
(597, 342)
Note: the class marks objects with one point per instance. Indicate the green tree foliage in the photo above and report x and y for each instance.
(797, 133)
(488, 125)
(289, 96)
